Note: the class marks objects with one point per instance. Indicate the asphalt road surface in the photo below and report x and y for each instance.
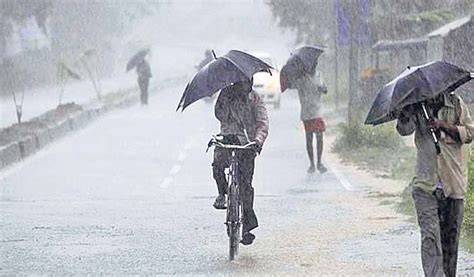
(132, 192)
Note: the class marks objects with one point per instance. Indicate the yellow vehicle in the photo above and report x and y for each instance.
(266, 85)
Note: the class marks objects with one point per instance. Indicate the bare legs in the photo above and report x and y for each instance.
(319, 151)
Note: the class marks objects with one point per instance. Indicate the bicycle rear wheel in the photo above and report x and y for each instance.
(233, 221)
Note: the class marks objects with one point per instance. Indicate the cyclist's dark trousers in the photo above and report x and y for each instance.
(143, 83)
(246, 160)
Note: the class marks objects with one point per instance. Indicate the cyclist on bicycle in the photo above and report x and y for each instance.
(243, 118)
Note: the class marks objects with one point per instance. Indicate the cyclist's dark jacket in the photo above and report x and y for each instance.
(237, 110)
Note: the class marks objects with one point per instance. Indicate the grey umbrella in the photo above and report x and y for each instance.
(302, 60)
(415, 85)
(137, 58)
(233, 67)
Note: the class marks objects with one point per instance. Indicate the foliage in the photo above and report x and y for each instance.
(69, 28)
(469, 204)
(405, 26)
(85, 64)
(381, 136)
(63, 75)
(379, 148)
(13, 86)
(88, 62)
(308, 18)
(19, 10)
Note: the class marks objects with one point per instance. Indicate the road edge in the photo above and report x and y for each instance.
(19, 150)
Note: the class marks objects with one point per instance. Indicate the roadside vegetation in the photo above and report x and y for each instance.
(469, 208)
(379, 148)
(382, 150)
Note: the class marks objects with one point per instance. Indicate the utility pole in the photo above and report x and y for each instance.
(353, 64)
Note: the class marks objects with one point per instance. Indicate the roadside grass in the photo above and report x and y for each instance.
(382, 150)
(377, 148)
(468, 224)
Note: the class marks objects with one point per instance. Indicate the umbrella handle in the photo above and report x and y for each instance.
(432, 131)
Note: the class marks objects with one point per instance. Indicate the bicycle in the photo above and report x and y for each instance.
(234, 203)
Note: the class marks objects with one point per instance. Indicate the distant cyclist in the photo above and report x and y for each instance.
(243, 118)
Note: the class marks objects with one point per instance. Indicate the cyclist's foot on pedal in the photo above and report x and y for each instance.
(220, 202)
(247, 238)
(311, 169)
(322, 168)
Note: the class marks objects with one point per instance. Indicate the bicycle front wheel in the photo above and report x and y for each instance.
(233, 222)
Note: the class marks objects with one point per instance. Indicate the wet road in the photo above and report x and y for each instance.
(132, 193)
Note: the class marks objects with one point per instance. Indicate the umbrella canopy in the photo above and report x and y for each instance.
(290, 72)
(137, 58)
(303, 60)
(233, 67)
(414, 85)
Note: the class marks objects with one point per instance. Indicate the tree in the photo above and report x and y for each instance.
(308, 18)
(367, 21)
(64, 74)
(14, 86)
(89, 63)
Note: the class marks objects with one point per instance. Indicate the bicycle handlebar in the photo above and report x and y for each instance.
(215, 142)
(233, 146)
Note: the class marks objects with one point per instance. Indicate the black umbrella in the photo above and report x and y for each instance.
(303, 60)
(233, 67)
(137, 58)
(415, 85)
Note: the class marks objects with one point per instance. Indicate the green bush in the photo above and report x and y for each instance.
(379, 147)
(381, 136)
(469, 200)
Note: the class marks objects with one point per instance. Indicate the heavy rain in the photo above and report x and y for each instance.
(237, 137)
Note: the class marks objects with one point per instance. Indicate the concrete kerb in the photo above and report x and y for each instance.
(43, 138)
(78, 120)
(9, 154)
(27, 146)
(59, 129)
(16, 151)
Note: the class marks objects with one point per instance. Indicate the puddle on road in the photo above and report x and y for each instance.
(396, 248)
(257, 196)
(302, 191)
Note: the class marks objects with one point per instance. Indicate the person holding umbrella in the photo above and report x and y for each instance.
(423, 102)
(300, 73)
(139, 61)
(243, 118)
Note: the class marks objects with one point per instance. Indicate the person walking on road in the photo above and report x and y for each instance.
(144, 75)
(310, 86)
(243, 118)
(439, 185)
